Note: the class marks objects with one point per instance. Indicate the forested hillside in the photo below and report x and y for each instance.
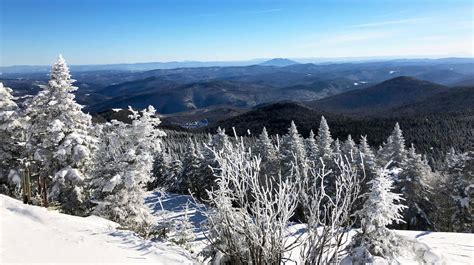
(434, 134)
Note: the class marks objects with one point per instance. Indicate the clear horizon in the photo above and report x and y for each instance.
(123, 31)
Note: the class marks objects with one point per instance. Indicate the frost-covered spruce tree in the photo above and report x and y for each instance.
(366, 156)
(398, 145)
(325, 140)
(381, 208)
(336, 148)
(453, 193)
(292, 152)
(217, 142)
(12, 130)
(366, 162)
(173, 174)
(191, 178)
(414, 183)
(161, 167)
(394, 149)
(220, 141)
(366, 159)
(312, 147)
(59, 140)
(268, 153)
(265, 148)
(349, 148)
(124, 165)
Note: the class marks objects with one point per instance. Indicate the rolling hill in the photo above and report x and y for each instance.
(387, 95)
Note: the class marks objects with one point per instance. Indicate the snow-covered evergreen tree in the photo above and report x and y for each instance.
(293, 153)
(366, 154)
(161, 168)
(12, 130)
(265, 148)
(454, 192)
(192, 177)
(124, 165)
(8, 125)
(349, 149)
(59, 139)
(414, 183)
(394, 150)
(324, 139)
(312, 147)
(220, 141)
(381, 208)
(366, 158)
(205, 176)
(268, 153)
(173, 174)
(337, 148)
(398, 145)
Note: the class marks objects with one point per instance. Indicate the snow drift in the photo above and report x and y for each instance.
(31, 234)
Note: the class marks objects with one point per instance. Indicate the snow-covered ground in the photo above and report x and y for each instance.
(31, 234)
(454, 248)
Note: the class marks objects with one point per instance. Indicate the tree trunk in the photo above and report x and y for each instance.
(44, 193)
(26, 185)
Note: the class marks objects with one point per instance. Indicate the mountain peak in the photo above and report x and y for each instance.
(279, 62)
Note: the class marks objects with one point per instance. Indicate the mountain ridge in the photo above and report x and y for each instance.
(389, 94)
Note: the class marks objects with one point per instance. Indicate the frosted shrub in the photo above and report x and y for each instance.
(249, 221)
(328, 215)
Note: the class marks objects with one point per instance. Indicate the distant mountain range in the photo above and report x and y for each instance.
(392, 87)
(29, 69)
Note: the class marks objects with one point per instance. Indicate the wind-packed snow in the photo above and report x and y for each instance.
(32, 234)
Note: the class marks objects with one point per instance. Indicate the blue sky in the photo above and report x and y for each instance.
(116, 31)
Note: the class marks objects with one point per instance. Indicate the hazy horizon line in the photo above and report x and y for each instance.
(263, 59)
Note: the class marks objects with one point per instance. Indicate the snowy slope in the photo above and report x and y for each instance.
(454, 248)
(31, 234)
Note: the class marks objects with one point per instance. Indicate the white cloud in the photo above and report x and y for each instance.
(389, 22)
